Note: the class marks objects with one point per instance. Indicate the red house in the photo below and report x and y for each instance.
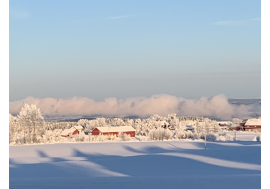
(69, 132)
(253, 125)
(114, 130)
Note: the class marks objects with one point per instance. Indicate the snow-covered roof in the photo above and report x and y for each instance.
(116, 129)
(67, 131)
(253, 122)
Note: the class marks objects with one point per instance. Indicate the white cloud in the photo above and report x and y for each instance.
(234, 22)
(217, 106)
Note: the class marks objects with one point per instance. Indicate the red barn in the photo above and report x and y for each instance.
(253, 125)
(114, 130)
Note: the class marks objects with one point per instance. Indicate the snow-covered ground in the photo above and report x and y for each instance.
(244, 135)
(164, 164)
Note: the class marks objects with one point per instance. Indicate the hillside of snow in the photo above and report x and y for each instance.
(164, 164)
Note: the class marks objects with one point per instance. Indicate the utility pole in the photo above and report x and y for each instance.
(204, 135)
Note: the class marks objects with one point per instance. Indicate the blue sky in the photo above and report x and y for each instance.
(101, 49)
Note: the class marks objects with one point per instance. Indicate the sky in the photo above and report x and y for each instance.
(123, 49)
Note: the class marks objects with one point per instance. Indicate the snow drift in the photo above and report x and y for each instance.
(217, 106)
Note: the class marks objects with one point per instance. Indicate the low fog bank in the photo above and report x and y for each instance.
(216, 107)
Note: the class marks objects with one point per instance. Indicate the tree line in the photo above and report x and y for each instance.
(29, 127)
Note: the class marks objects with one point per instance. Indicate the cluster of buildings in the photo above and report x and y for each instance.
(106, 130)
(253, 124)
(113, 131)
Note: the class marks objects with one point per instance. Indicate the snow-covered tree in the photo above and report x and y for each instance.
(236, 122)
(12, 127)
(124, 136)
(137, 125)
(30, 117)
(173, 121)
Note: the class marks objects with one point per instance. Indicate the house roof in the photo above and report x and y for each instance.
(116, 129)
(253, 122)
(67, 131)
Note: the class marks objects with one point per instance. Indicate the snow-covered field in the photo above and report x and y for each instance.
(164, 164)
(243, 135)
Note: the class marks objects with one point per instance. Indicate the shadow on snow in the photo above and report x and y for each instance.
(149, 162)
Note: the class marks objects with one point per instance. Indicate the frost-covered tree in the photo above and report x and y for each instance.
(124, 136)
(137, 125)
(24, 128)
(12, 127)
(30, 117)
(81, 137)
(173, 121)
(236, 122)
(83, 122)
(160, 134)
(102, 121)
